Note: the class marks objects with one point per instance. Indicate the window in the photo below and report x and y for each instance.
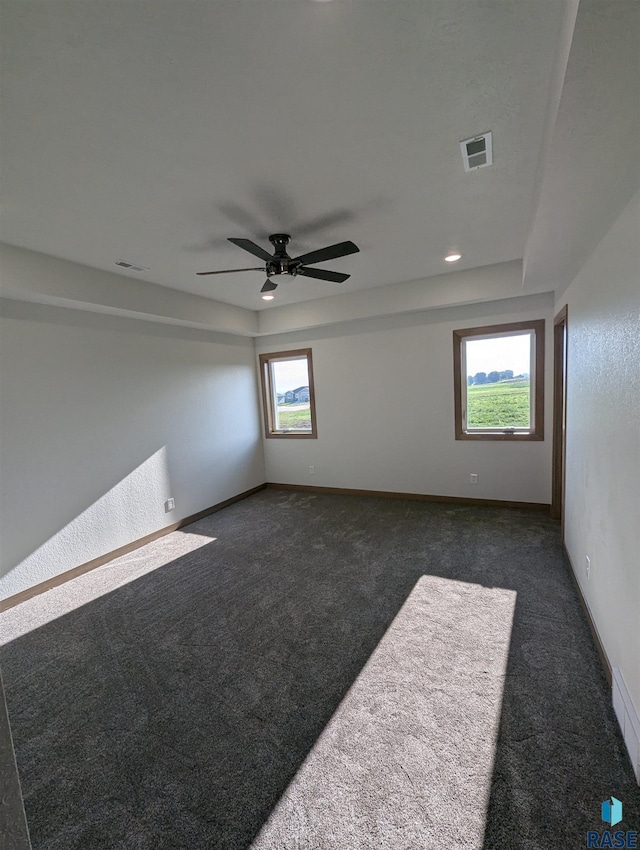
(287, 394)
(499, 382)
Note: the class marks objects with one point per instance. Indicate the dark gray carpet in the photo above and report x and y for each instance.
(175, 711)
(13, 826)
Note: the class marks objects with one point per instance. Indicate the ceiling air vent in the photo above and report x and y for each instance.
(476, 152)
(131, 266)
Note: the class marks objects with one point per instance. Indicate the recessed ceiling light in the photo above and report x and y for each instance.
(453, 258)
(268, 297)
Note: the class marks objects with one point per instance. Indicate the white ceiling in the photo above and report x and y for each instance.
(150, 132)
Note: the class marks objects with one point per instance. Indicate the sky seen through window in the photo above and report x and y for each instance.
(499, 354)
(290, 374)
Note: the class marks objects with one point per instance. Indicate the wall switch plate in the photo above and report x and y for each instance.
(473, 478)
(169, 505)
(312, 470)
(587, 566)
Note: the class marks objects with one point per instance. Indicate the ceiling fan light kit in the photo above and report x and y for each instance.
(280, 262)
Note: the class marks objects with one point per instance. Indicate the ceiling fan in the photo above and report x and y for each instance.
(281, 263)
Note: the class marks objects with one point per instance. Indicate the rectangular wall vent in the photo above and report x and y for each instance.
(131, 266)
(477, 152)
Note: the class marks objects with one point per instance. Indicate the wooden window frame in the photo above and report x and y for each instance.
(268, 395)
(559, 427)
(537, 433)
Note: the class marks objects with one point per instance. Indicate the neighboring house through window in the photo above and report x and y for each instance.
(287, 394)
(499, 382)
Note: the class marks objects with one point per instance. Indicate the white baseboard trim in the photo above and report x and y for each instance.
(628, 720)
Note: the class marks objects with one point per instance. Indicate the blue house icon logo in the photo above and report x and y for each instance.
(612, 814)
(612, 811)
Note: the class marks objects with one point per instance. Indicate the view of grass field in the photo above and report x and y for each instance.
(294, 416)
(504, 404)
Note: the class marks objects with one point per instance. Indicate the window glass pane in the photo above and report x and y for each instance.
(498, 382)
(291, 403)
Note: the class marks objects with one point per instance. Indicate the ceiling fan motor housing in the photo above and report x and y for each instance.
(281, 265)
(281, 262)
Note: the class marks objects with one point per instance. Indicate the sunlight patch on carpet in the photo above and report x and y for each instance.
(406, 761)
(40, 610)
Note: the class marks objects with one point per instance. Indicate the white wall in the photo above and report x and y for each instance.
(101, 420)
(603, 440)
(384, 399)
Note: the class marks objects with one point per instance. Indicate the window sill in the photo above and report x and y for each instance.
(508, 436)
(291, 435)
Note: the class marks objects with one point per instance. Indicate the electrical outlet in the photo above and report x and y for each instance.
(312, 470)
(169, 505)
(473, 478)
(587, 566)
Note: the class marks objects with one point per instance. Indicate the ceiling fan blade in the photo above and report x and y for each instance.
(269, 286)
(252, 248)
(330, 253)
(324, 274)
(229, 271)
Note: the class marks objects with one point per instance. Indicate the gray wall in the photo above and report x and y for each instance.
(384, 400)
(603, 445)
(104, 418)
